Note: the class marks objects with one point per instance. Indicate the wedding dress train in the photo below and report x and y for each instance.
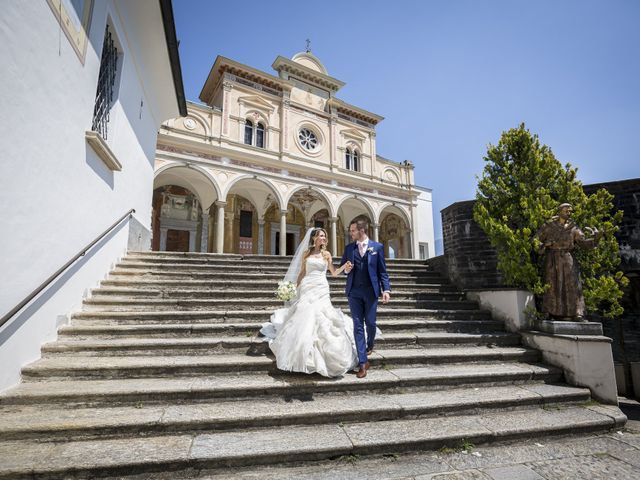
(311, 336)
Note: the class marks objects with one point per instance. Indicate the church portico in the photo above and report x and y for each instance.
(248, 215)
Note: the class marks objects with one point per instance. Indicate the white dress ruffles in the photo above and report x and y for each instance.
(311, 336)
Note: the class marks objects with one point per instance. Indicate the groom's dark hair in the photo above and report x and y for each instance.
(360, 223)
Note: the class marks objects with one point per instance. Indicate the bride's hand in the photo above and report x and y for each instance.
(348, 266)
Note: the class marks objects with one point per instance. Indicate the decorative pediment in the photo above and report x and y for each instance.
(353, 134)
(254, 101)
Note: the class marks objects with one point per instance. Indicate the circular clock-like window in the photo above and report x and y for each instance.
(308, 139)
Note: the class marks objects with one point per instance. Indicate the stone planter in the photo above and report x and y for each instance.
(506, 304)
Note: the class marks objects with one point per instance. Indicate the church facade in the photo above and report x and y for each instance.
(267, 156)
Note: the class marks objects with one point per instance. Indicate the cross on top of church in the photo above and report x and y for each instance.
(308, 45)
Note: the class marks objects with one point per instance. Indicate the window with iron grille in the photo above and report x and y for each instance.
(106, 82)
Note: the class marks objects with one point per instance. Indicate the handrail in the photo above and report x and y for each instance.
(44, 284)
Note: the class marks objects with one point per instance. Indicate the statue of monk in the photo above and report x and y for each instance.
(559, 237)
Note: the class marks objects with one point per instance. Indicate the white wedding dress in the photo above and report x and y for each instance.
(311, 336)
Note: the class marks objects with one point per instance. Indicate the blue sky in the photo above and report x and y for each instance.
(450, 75)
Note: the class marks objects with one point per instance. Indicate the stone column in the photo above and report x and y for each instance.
(409, 245)
(192, 239)
(220, 226)
(227, 86)
(283, 233)
(205, 231)
(284, 121)
(376, 228)
(334, 236)
(261, 236)
(231, 238)
(333, 122)
(413, 233)
(372, 143)
(163, 239)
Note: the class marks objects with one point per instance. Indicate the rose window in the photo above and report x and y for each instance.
(308, 139)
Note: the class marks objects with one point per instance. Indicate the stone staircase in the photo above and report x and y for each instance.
(162, 371)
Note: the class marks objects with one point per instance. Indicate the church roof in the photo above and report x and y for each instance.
(307, 67)
(224, 64)
(309, 60)
(304, 66)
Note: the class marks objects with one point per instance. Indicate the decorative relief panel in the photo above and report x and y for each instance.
(390, 175)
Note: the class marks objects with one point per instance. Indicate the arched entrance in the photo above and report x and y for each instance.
(181, 202)
(354, 209)
(248, 215)
(314, 210)
(395, 234)
(177, 220)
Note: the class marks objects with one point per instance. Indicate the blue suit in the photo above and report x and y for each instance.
(365, 283)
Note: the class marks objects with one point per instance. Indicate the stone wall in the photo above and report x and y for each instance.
(630, 324)
(627, 198)
(470, 259)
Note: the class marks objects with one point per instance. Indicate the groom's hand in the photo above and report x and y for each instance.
(386, 296)
(348, 267)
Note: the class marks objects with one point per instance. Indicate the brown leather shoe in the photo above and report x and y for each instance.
(369, 352)
(363, 370)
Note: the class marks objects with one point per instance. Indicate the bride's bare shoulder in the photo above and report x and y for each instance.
(326, 255)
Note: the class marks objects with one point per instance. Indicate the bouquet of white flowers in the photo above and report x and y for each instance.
(286, 291)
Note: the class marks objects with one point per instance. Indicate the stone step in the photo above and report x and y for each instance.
(129, 304)
(244, 264)
(97, 328)
(31, 458)
(259, 316)
(111, 328)
(197, 256)
(261, 268)
(171, 418)
(244, 293)
(224, 284)
(242, 277)
(100, 345)
(250, 385)
(108, 367)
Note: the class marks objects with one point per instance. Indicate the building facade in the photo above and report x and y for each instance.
(267, 156)
(84, 88)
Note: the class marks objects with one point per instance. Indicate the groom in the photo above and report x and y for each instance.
(367, 279)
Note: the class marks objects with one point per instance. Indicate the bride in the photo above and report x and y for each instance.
(311, 336)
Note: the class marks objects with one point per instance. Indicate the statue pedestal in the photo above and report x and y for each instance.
(558, 327)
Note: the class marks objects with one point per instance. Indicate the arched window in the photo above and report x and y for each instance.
(248, 132)
(254, 134)
(260, 135)
(352, 160)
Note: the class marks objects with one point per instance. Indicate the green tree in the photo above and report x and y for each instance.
(520, 189)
